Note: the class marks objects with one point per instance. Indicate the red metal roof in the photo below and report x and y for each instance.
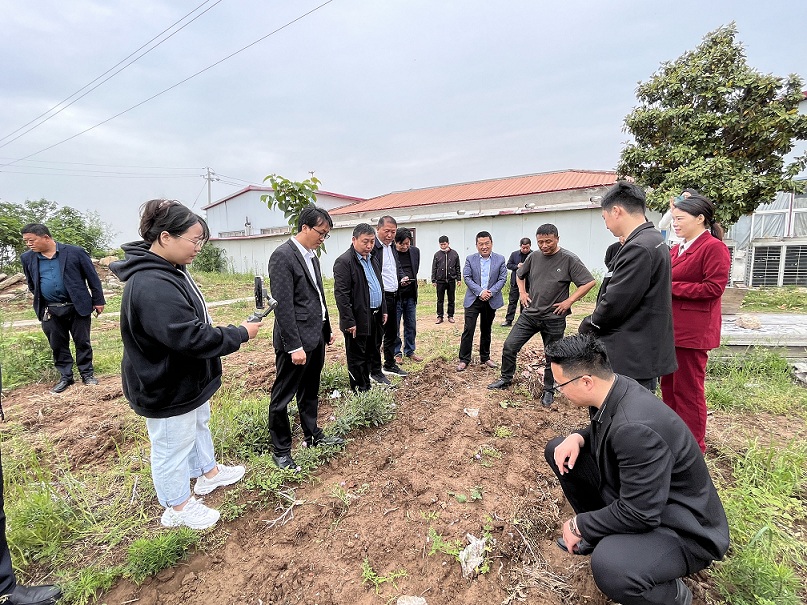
(348, 198)
(481, 190)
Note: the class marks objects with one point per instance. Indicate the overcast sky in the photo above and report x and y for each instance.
(374, 96)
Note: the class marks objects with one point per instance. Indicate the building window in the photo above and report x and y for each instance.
(779, 266)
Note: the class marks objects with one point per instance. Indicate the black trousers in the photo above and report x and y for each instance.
(443, 288)
(386, 337)
(302, 382)
(7, 579)
(482, 310)
(512, 302)
(632, 569)
(362, 353)
(58, 330)
(527, 325)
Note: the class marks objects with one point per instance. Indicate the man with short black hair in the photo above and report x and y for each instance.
(409, 261)
(633, 316)
(645, 506)
(514, 263)
(302, 329)
(485, 274)
(547, 303)
(385, 258)
(59, 276)
(359, 293)
(446, 277)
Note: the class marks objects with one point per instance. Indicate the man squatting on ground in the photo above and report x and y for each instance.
(547, 303)
(645, 506)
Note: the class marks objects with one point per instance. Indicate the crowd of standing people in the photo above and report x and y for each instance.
(635, 476)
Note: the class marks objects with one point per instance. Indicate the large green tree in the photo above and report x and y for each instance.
(710, 121)
(66, 224)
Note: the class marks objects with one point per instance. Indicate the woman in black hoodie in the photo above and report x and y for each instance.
(171, 359)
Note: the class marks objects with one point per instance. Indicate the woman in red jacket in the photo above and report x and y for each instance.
(700, 273)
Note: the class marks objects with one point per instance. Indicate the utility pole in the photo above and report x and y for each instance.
(209, 178)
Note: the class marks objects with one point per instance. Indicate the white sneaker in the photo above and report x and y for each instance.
(195, 515)
(227, 476)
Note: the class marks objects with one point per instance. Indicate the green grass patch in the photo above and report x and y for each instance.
(147, 556)
(759, 381)
(788, 299)
(764, 503)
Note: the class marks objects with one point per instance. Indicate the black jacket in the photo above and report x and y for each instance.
(78, 273)
(512, 264)
(352, 293)
(652, 474)
(633, 316)
(298, 319)
(446, 266)
(171, 354)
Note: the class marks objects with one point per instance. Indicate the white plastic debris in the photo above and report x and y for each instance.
(472, 555)
(410, 600)
(472, 412)
(336, 394)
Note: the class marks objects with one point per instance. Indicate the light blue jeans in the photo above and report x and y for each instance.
(181, 450)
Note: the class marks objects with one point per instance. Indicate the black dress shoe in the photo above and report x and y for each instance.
(284, 462)
(62, 385)
(507, 324)
(324, 440)
(499, 384)
(547, 398)
(583, 547)
(90, 380)
(34, 595)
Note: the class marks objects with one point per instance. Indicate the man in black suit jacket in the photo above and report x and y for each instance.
(409, 261)
(302, 327)
(646, 508)
(385, 259)
(359, 292)
(633, 316)
(58, 275)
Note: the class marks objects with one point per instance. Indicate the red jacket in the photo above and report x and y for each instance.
(699, 278)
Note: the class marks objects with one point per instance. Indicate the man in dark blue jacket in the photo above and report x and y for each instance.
(59, 276)
(645, 506)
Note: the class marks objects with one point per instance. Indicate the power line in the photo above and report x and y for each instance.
(106, 165)
(102, 75)
(111, 175)
(117, 115)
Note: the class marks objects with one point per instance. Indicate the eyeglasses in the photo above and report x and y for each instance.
(557, 388)
(322, 234)
(197, 243)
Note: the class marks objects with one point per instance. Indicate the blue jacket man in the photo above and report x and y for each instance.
(485, 274)
(59, 276)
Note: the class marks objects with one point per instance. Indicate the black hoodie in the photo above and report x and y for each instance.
(171, 354)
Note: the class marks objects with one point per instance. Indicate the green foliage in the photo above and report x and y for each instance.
(790, 299)
(369, 576)
(334, 378)
(452, 548)
(763, 504)
(291, 196)
(758, 380)
(40, 525)
(84, 587)
(210, 259)
(148, 556)
(66, 225)
(240, 427)
(27, 358)
(361, 410)
(710, 121)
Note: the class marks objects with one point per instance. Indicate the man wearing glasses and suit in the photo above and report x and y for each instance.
(301, 331)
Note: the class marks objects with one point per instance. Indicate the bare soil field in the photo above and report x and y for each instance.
(458, 459)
